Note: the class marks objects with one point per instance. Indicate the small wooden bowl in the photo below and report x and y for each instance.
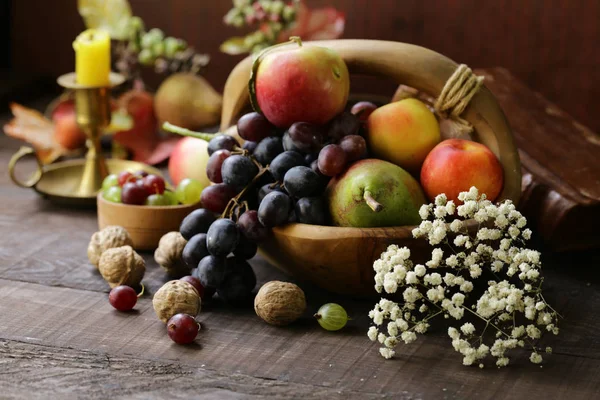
(145, 224)
(341, 259)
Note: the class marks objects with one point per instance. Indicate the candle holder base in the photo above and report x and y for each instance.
(61, 182)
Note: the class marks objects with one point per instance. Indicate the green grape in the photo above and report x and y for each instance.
(110, 181)
(241, 3)
(147, 41)
(332, 317)
(157, 200)
(266, 5)
(188, 191)
(157, 33)
(112, 194)
(146, 57)
(277, 7)
(171, 198)
(171, 47)
(136, 24)
(288, 13)
(238, 21)
(158, 49)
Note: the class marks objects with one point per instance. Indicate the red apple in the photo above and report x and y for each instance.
(305, 83)
(188, 160)
(454, 165)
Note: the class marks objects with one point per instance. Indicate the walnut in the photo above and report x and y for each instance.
(175, 297)
(108, 238)
(122, 266)
(168, 254)
(279, 303)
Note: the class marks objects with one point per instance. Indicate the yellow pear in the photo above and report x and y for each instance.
(187, 100)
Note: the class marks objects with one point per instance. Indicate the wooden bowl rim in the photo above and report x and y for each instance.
(101, 199)
(301, 230)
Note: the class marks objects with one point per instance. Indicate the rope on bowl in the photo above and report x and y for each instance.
(458, 91)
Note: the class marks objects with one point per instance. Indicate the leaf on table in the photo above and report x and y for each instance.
(32, 127)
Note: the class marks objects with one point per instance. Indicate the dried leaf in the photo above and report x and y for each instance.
(32, 127)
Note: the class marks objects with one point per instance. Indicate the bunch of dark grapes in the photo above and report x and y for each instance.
(273, 179)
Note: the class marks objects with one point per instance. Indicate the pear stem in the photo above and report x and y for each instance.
(169, 127)
(371, 202)
(297, 40)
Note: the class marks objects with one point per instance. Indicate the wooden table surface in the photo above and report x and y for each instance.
(60, 338)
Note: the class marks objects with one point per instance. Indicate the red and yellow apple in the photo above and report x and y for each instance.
(403, 132)
(188, 160)
(455, 165)
(302, 83)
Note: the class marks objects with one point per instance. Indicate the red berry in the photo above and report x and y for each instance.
(154, 184)
(125, 177)
(195, 282)
(182, 328)
(123, 298)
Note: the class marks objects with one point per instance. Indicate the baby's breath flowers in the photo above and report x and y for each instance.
(475, 240)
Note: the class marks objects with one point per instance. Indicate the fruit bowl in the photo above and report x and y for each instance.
(340, 259)
(145, 224)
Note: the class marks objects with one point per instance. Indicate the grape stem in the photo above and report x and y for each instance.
(207, 137)
(371, 202)
(230, 208)
(169, 127)
(317, 316)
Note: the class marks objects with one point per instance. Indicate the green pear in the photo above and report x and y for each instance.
(374, 193)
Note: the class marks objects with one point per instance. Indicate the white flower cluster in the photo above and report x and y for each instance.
(476, 239)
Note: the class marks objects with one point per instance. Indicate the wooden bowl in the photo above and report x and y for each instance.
(145, 224)
(341, 259)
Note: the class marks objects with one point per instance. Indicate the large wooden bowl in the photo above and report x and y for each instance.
(341, 259)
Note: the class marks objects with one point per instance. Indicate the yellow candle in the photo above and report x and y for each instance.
(92, 58)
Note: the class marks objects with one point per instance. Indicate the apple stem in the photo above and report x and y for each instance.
(297, 40)
(169, 127)
(371, 202)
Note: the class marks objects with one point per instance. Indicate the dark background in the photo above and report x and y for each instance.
(551, 45)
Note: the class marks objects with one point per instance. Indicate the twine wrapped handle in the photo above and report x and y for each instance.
(455, 97)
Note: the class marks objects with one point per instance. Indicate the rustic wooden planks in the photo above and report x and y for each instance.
(236, 342)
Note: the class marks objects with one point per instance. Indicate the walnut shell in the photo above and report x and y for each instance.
(122, 266)
(108, 238)
(175, 297)
(279, 303)
(168, 254)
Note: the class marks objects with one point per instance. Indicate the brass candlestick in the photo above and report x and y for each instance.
(92, 108)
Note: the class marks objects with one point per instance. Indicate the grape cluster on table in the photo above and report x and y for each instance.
(275, 178)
